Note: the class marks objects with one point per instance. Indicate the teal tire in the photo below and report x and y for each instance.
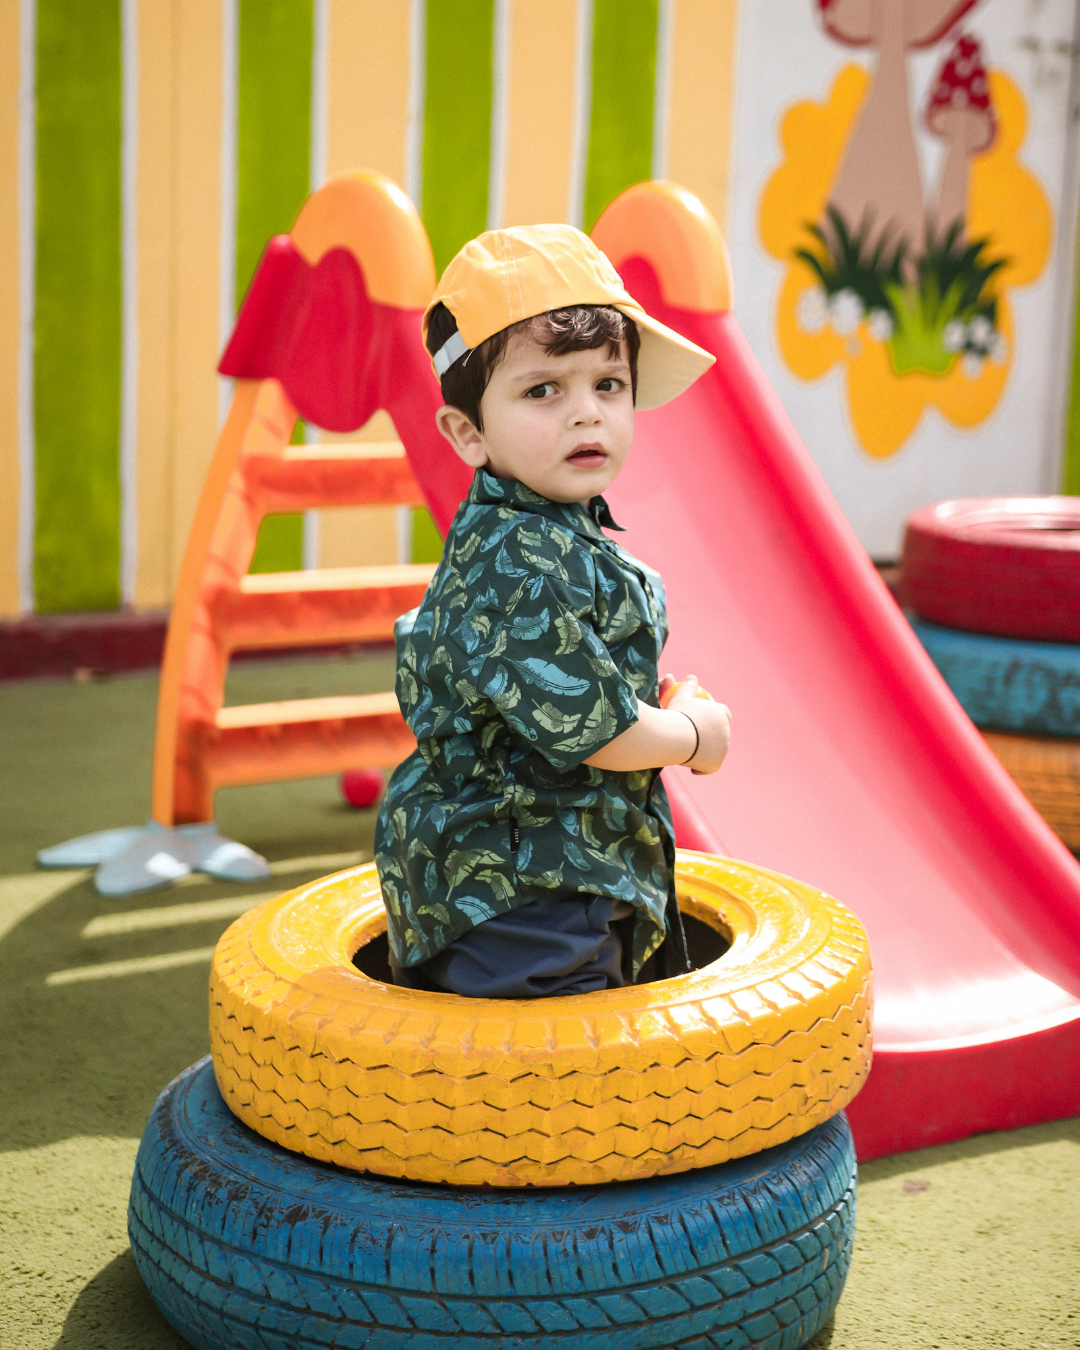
(247, 1246)
(1008, 683)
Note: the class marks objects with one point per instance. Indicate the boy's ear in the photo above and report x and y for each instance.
(462, 435)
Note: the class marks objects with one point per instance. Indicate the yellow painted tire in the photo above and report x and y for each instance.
(760, 1046)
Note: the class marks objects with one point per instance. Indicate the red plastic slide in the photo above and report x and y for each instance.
(853, 767)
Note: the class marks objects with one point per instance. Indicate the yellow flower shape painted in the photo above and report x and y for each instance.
(1006, 204)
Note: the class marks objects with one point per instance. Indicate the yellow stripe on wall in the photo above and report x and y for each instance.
(179, 276)
(156, 25)
(179, 264)
(540, 112)
(367, 97)
(197, 278)
(700, 102)
(10, 477)
(367, 109)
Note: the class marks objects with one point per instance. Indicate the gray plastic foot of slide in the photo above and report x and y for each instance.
(147, 857)
(90, 849)
(161, 855)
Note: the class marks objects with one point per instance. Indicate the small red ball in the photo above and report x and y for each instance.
(362, 788)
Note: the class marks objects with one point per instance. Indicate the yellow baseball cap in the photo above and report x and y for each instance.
(504, 276)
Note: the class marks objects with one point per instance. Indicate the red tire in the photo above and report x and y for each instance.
(1004, 565)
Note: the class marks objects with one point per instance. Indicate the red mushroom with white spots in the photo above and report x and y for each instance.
(960, 112)
(879, 174)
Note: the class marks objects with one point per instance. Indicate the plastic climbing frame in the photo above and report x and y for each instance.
(305, 311)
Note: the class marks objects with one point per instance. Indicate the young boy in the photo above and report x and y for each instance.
(525, 849)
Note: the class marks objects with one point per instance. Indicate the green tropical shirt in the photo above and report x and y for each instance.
(535, 640)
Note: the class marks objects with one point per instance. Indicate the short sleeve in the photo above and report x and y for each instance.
(545, 669)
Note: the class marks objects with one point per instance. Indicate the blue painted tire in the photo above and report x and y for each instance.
(1008, 682)
(245, 1244)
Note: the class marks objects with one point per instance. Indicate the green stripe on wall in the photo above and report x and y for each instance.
(280, 545)
(456, 156)
(77, 341)
(273, 124)
(273, 135)
(1070, 469)
(623, 81)
(427, 542)
(457, 123)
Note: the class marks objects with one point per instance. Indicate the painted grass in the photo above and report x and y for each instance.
(975, 1244)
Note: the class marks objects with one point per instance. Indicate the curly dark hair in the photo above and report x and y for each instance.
(578, 328)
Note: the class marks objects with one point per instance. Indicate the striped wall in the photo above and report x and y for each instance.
(148, 148)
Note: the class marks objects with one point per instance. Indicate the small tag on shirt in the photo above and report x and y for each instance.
(515, 836)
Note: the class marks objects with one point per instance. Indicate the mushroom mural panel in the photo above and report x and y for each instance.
(878, 187)
(904, 285)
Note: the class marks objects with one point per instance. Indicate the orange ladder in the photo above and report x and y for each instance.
(200, 745)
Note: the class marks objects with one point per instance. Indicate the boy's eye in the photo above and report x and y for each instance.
(611, 384)
(540, 391)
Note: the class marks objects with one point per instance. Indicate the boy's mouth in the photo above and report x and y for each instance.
(588, 456)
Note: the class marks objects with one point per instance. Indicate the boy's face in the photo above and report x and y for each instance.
(562, 425)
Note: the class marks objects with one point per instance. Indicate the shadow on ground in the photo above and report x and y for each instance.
(115, 1312)
(90, 1058)
(77, 757)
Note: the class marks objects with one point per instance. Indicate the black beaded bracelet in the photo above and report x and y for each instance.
(697, 735)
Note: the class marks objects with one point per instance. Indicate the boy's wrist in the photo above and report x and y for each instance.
(697, 736)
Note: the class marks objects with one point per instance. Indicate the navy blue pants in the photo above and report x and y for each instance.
(560, 944)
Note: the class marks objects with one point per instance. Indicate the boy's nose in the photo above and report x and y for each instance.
(586, 409)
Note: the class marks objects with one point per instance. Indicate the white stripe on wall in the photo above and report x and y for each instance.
(27, 276)
(404, 533)
(665, 29)
(227, 249)
(500, 93)
(129, 370)
(579, 158)
(414, 124)
(319, 40)
(316, 177)
(309, 547)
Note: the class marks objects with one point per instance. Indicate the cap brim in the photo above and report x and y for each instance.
(668, 363)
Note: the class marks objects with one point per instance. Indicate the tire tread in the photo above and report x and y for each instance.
(240, 1247)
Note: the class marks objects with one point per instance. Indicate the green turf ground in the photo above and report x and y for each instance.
(973, 1245)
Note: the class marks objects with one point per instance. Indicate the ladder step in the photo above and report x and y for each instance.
(350, 450)
(318, 607)
(385, 576)
(310, 477)
(303, 738)
(302, 711)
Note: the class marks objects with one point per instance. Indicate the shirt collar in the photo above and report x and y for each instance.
(487, 490)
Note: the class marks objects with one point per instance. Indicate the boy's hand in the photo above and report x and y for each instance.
(663, 736)
(713, 722)
(668, 686)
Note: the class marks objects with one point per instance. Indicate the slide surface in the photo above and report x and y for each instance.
(852, 766)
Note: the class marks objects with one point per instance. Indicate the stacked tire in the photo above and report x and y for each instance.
(995, 586)
(359, 1164)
